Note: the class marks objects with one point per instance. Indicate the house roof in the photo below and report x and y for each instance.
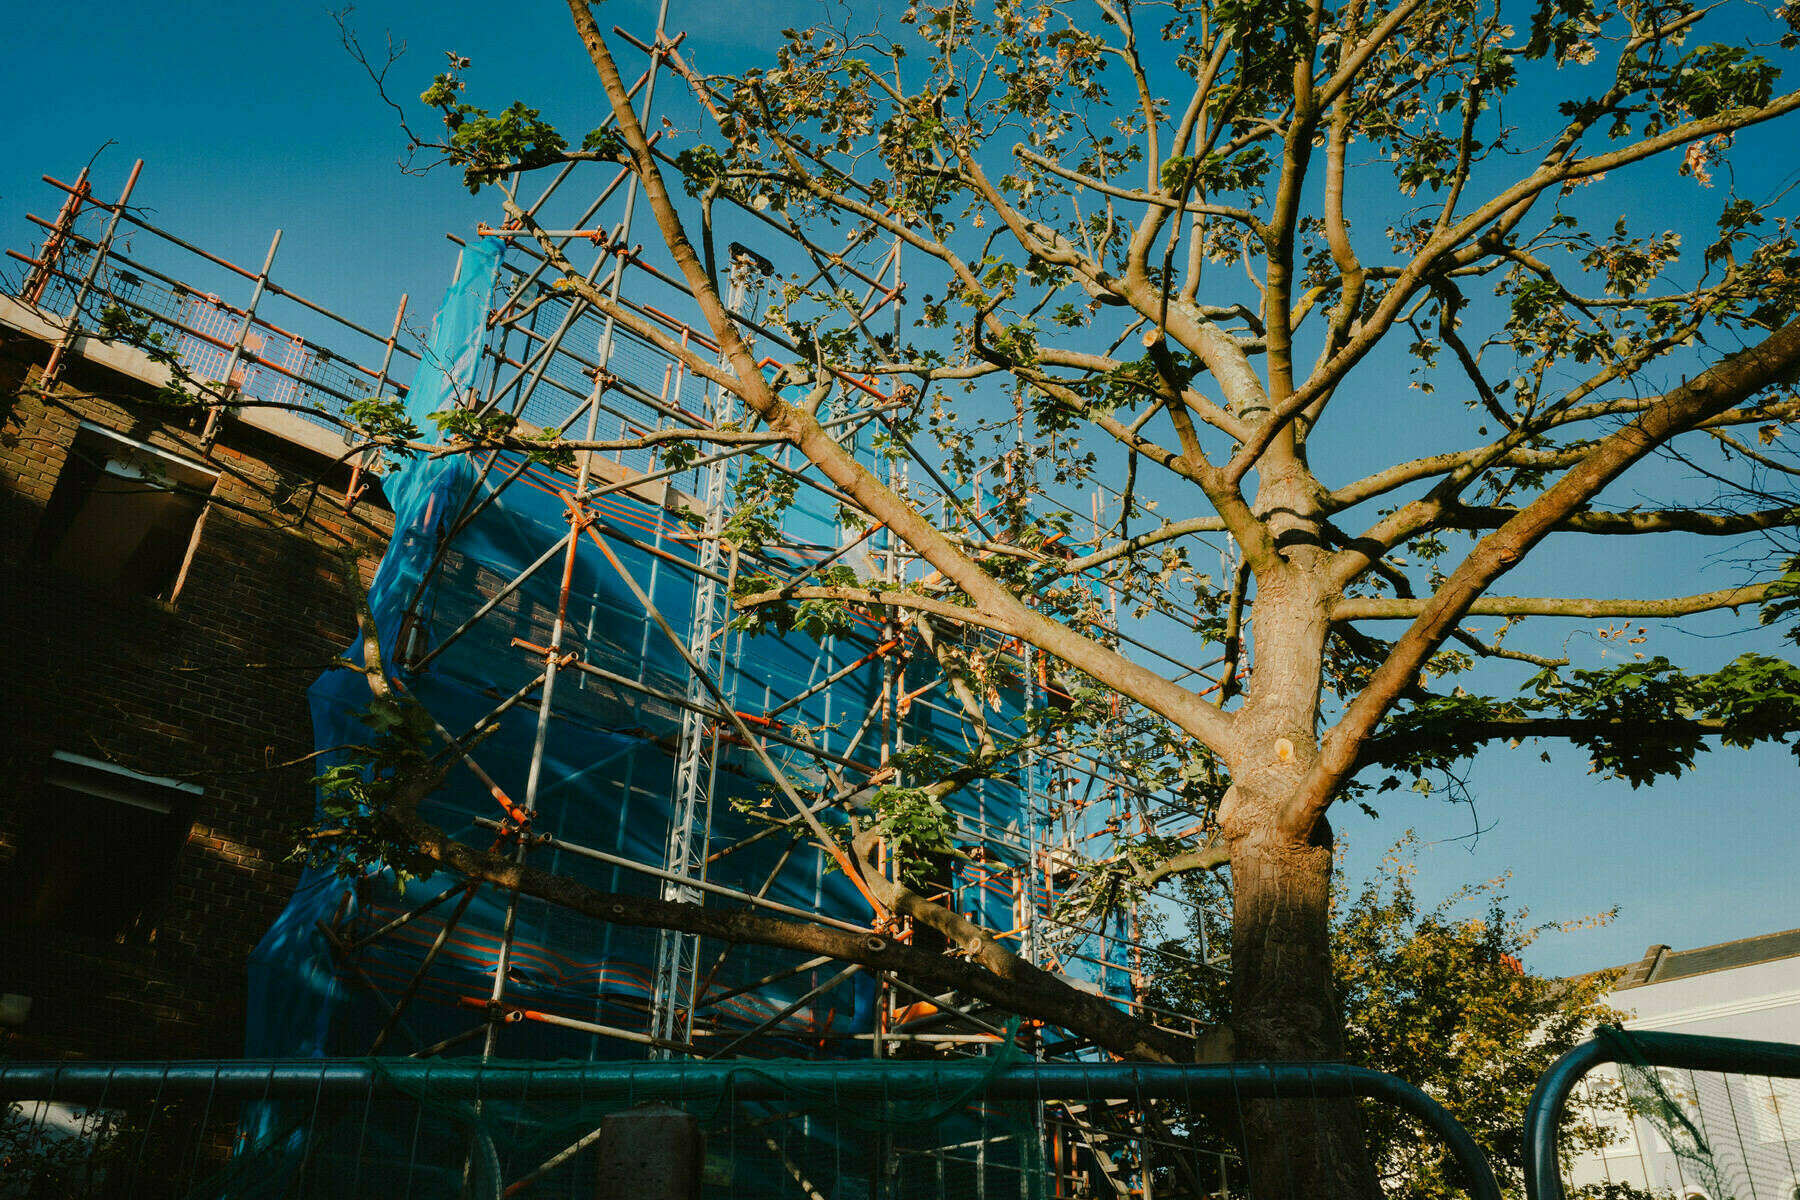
(1660, 964)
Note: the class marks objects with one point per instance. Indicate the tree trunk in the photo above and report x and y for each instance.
(1284, 1006)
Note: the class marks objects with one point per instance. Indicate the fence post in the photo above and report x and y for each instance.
(651, 1152)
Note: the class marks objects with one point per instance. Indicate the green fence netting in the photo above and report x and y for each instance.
(434, 1134)
(1715, 1135)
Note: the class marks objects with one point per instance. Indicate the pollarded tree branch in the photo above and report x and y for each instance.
(1190, 325)
(1385, 608)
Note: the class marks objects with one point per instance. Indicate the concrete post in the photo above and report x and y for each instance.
(651, 1152)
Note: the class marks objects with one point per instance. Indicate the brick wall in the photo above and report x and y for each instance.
(167, 689)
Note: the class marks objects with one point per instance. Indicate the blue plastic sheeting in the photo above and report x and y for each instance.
(608, 771)
(448, 367)
(294, 987)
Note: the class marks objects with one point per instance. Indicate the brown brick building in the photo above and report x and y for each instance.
(155, 650)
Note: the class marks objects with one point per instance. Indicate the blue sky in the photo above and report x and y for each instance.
(250, 119)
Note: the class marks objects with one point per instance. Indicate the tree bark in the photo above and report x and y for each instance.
(1284, 1003)
(1284, 1007)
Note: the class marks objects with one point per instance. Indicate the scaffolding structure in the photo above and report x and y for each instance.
(100, 263)
(571, 627)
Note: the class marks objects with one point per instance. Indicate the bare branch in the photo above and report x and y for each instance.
(1715, 391)
(1667, 520)
(1242, 215)
(1384, 608)
(1507, 206)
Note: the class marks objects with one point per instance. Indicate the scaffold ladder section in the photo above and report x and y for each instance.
(677, 967)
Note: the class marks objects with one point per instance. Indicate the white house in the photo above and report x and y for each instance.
(1749, 988)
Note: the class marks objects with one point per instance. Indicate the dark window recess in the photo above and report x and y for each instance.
(115, 517)
(96, 851)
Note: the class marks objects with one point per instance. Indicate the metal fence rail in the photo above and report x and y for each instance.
(316, 1085)
(1549, 1108)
